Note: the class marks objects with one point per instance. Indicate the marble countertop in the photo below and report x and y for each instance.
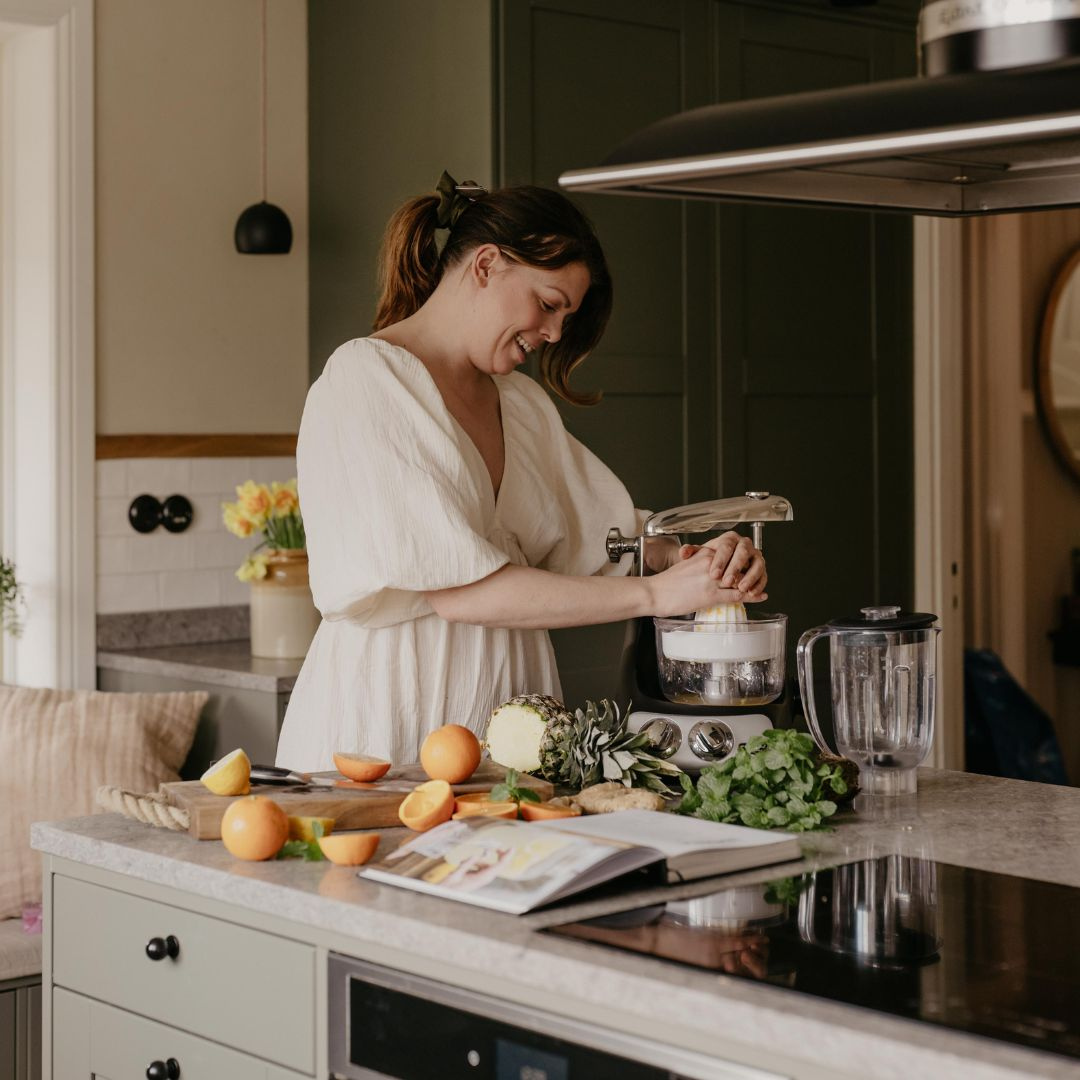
(998, 825)
(220, 663)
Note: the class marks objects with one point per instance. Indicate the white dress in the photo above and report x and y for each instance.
(396, 501)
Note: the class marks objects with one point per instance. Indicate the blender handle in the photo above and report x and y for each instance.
(806, 683)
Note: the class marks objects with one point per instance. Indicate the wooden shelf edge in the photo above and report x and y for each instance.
(172, 446)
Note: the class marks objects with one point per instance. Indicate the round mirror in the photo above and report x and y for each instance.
(1059, 366)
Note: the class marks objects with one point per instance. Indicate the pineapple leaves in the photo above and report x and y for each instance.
(776, 781)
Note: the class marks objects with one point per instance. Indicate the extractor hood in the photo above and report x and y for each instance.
(982, 138)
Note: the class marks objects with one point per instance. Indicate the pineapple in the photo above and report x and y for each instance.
(535, 733)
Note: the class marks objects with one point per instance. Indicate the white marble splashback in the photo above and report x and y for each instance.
(163, 571)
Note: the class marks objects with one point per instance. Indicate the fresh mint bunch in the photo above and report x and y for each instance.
(308, 850)
(508, 791)
(775, 781)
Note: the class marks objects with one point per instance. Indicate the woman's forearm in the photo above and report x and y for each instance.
(524, 598)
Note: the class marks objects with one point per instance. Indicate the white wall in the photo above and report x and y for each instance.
(193, 337)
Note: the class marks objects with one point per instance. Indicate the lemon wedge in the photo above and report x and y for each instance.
(303, 828)
(229, 776)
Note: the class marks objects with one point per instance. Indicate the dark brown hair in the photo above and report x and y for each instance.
(532, 225)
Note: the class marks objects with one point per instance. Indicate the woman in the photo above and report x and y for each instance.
(451, 519)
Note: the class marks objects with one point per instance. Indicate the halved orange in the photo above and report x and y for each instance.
(486, 809)
(542, 811)
(349, 848)
(427, 805)
(362, 767)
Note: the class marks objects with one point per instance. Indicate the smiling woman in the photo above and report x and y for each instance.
(451, 518)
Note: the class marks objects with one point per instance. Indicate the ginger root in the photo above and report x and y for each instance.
(610, 797)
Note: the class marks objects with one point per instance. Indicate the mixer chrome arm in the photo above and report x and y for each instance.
(754, 508)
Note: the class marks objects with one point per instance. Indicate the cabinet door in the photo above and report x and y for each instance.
(816, 341)
(577, 77)
(99, 1042)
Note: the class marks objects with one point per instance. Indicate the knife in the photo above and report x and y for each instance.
(282, 777)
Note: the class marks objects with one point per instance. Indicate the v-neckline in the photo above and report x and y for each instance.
(495, 492)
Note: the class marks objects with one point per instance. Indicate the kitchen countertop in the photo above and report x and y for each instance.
(221, 663)
(1002, 826)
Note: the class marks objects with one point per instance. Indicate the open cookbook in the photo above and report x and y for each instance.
(516, 866)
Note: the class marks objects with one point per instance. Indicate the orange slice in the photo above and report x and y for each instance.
(361, 767)
(542, 811)
(486, 809)
(427, 805)
(349, 848)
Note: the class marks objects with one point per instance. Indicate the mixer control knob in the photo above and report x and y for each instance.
(711, 740)
(664, 736)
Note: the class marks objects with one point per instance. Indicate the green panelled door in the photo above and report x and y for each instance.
(816, 344)
(577, 77)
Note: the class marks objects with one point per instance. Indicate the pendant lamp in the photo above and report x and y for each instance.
(263, 228)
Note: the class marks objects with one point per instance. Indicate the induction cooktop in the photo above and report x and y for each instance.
(989, 954)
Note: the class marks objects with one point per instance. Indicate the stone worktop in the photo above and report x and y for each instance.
(219, 663)
(991, 824)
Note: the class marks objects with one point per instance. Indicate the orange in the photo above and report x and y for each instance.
(427, 805)
(486, 809)
(361, 767)
(349, 848)
(542, 811)
(450, 753)
(254, 828)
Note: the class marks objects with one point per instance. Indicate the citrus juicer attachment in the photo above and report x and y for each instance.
(702, 688)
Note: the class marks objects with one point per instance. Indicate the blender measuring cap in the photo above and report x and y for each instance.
(886, 617)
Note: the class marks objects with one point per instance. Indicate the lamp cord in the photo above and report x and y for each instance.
(262, 76)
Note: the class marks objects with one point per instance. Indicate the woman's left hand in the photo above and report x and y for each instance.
(736, 564)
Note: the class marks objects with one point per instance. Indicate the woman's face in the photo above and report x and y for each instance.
(520, 308)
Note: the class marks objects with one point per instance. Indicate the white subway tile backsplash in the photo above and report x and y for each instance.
(111, 478)
(113, 555)
(220, 549)
(162, 570)
(233, 591)
(193, 588)
(208, 512)
(160, 477)
(112, 517)
(160, 550)
(219, 476)
(127, 592)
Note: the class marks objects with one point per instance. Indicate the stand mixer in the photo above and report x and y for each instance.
(701, 689)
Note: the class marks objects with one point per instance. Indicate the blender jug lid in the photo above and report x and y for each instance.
(885, 617)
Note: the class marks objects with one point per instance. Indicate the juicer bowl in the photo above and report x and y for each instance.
(737, 664)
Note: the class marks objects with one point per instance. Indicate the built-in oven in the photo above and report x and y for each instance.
(385, 1023)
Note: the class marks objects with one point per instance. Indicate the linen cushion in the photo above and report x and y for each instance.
(58, 746)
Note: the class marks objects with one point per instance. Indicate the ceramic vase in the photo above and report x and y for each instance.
(283, 616)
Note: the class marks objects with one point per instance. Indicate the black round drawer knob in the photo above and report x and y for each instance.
(163, 1070)
(158, 948)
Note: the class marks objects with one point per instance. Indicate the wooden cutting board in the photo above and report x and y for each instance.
(367, 807)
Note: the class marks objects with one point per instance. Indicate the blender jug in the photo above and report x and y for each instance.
(883, 667)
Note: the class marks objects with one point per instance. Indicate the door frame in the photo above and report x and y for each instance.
(939, 480)
(47, 342)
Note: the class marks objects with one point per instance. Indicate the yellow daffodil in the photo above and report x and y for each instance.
(236, 521)
(254, 500)
(284, 498)
(253, 569)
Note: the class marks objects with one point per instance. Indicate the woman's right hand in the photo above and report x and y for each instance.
(689, 586)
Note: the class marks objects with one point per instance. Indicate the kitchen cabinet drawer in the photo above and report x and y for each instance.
(244, 988)
(100, 1042)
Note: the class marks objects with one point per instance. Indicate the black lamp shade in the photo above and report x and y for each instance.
(263, 229)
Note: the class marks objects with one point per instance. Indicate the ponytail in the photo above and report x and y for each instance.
(409, 266)
(533, 225)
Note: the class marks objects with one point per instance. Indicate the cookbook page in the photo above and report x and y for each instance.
(512, 866)
(671, 834)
